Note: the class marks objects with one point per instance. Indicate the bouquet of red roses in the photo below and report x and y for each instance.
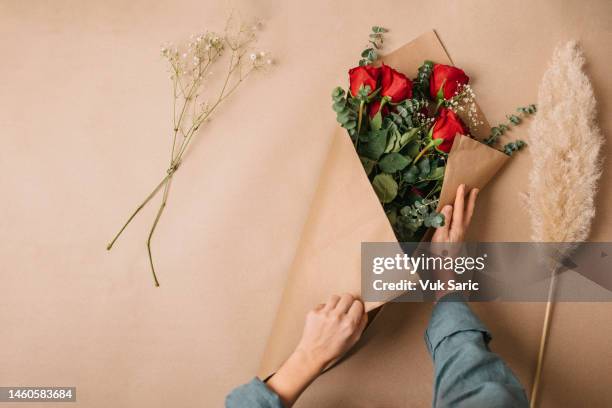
(403, 130)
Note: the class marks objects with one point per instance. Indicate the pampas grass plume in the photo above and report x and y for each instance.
(565, 143)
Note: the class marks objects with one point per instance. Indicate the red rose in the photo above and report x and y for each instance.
(448, 78)
(395, 84)
(366, 75)
(446, 127)
(375, 107)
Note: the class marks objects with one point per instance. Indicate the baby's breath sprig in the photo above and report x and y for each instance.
(196, 99)
(464, 101)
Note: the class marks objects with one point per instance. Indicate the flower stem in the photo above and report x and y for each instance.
(162, 206)
(360, 118)
(425, 150)
(140, 207)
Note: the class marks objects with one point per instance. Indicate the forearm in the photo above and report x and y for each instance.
(467, 373)
(294, 376)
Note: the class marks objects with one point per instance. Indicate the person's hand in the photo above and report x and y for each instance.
(457, 217)
(447, 239)
(331, 329)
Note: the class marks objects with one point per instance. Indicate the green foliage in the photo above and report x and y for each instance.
(375, 144)
(423, 172)
(393, 162)
(420, 85)
(409, 219)
(510, 148)
(513, 120)
(396, 148)
(385, 187)
(406, 115)
(346, 114)
(527, 110)
(376, 40)
(398, 141)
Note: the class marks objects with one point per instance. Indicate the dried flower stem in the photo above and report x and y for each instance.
(189, 74)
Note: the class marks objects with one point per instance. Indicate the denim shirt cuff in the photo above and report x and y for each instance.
(253, 394)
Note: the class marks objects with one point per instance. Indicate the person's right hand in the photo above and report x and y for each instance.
(457, 217)
(447, 239)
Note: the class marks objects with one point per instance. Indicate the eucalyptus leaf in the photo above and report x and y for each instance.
(393, 162)
(385, 187)
(375, 145)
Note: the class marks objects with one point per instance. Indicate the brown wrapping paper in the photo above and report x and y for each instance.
(346, 212)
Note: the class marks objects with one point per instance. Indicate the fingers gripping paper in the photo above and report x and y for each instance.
(345, 212)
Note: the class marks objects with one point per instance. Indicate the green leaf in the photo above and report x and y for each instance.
(424, 167)
(385, 187)
(338, 92)
(376, 121)
(434, 220)
(351, 124)
(343, 116)
(339, 106)
(411, 174)
(392, 216)
(393, 162)
(376, 143)
(393, 137)
(368, 164)
(514, 119)
(412, 150)
(437, 173)
(406, 138)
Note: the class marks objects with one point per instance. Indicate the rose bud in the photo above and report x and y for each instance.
(448, 79)
(395, 85)
(446, 127)
(366, 75)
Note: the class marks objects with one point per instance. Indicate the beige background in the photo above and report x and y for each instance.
(85, 114)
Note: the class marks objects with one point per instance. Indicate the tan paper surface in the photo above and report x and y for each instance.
(85, 108)
(346, 212)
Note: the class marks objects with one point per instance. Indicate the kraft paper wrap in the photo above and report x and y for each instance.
(345, 212)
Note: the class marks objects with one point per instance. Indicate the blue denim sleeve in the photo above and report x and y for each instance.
(466, 372)
(253, 394)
